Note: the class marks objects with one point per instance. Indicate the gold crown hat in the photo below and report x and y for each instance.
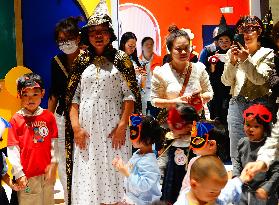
(100, 15)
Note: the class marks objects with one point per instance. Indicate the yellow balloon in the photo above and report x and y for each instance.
(12, 76)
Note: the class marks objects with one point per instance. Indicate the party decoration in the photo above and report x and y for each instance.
(12, 76)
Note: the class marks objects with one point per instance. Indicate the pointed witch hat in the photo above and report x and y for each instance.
(223, 29)
(100, 15)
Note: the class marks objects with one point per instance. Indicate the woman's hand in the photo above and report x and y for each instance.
(234, 54)
(243, 53)
(238, 52)
(118, 135)
(140, 70)
(80, 137)
(50, 172)
(261, 194)
(184, 99)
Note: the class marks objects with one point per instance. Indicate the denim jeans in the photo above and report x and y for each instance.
(235, 120)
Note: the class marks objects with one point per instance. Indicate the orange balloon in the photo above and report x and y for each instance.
(12, 76)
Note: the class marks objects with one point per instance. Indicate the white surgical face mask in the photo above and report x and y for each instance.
(68, 47)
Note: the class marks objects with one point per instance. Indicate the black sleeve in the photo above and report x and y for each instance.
(271, 184)
(56, 87)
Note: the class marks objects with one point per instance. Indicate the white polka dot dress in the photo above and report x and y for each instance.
(100, 95)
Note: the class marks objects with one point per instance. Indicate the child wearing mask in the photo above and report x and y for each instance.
(180, 120)
(142, 174)
(257, 127)
(32, 144)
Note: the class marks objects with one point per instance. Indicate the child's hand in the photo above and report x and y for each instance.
(261, 194)
(22, 182)
(254, 168)
(50, 172)
(245, 176)
(16, 187)
(120, 166)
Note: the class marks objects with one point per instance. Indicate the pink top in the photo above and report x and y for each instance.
(186, 180)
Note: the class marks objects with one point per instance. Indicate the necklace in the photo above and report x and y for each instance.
(184, 71)
(98, 62)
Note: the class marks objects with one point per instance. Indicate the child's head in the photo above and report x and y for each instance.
(257, 122)
(210, 139)
(30, 89)
(180, 119)
(208, 177)
(145, 131)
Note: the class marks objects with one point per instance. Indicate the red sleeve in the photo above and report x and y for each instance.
(53, 126)
(12, 133)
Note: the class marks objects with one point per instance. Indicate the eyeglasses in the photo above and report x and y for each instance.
(98, 32)
(135, 121)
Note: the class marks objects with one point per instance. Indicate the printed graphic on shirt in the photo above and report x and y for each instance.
(40, 131)
(180, 158)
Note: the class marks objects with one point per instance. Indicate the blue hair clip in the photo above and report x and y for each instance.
(135, 120)
(203, 128)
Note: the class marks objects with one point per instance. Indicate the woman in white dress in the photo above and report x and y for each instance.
(102, 91)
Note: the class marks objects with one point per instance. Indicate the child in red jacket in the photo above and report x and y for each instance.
(32, 144)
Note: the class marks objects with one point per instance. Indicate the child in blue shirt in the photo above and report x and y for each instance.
(142, 174)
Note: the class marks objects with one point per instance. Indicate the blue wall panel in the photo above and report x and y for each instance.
(39, 19)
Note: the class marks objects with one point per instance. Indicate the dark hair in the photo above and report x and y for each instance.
(125, 37)
(28, 79)
(68, 25)
(220, 134)
(146, 39)
(187, 112)
(175, 32)
(151, 132)
(250, 20)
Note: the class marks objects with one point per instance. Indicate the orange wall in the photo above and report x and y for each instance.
(191, 14)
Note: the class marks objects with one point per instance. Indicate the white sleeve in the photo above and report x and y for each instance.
(54, 150)
(258, 72)
(14, 158)
(270, 151)
(76, 98)
(205, 84)
(229, 73)
(158, 87)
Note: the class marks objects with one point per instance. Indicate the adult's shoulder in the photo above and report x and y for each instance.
(266, 50)
(162, 70)
(199, 66)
